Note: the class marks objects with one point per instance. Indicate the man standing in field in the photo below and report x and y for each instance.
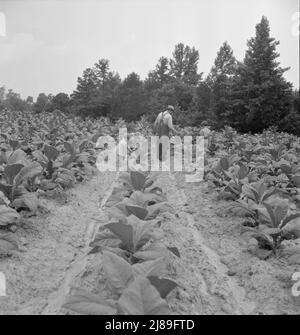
(163, 125)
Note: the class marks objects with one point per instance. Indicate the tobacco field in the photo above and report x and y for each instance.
(74, 240)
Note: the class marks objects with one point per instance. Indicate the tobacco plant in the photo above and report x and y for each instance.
(272, 234)
(138, 289)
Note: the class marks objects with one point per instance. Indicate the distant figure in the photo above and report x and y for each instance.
(163, 125)
(206, 133)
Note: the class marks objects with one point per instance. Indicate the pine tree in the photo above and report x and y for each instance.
(190, 74)
(177, 63)
(220, 81)
(262, 95)
(84, 95)
(130, 104)
(160, 76)
(95, 90)
(184, 64)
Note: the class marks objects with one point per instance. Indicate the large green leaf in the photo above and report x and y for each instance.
(6, 189)
(28, 201)
(261, 189)
(118, 272)
(242, 172)
(10, 172)
(138, 211)
(224, 163)
(105, 238)
(296, 180)
(8, 243)
(288, 219)
(69, 148)
(17, 156)
(8, 216)
(3, 199)
(156, 209)
(267, 194)
(250, 192)
(137, 197)
(163, 285)
(138, 180)
(14, 144)
(142, 232)
(118, 211)
(142, 298)
(272, 215)
(85, 303)
(65, 178)
(285, 168)
(67, 160)
(116, 197)
(156, 267)
(51, 152)
(41, 158)
(3, 158)
(153, 251)
(123, 231)
(26, 172)
(280, 213)
(125, 179)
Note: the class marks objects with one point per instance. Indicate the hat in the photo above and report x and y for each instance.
(170, 107)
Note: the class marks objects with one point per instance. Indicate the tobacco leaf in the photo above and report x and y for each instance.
(142, 298)
(163, 285)
(83, 302)
(119, 273)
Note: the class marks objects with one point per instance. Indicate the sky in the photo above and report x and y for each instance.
(48, 44)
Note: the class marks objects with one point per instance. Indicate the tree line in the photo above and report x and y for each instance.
(251, 95)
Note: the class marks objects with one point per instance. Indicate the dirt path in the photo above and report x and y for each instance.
(54, 250)
(205, 287)
(216, 272)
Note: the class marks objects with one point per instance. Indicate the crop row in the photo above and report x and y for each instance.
(261, 175)
(41, 156)
(134, 257)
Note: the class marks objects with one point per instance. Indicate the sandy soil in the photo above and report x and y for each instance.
(217, 273)
(247, 284)
(55, 245)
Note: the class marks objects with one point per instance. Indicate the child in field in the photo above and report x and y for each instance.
(206, 133)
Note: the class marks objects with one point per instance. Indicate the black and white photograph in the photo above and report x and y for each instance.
(149, 160)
